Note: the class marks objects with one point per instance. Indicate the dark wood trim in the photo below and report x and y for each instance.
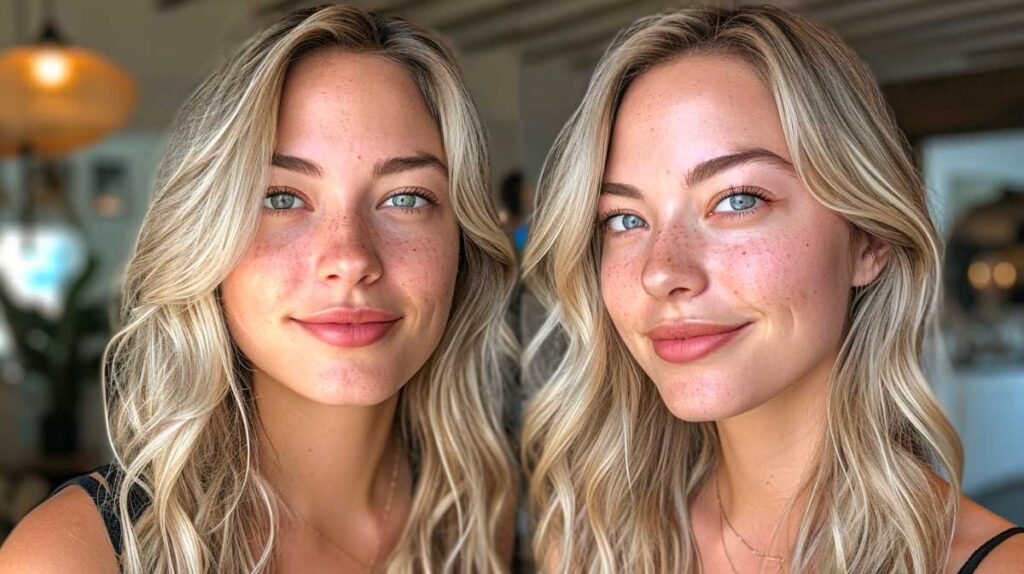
(984, 101)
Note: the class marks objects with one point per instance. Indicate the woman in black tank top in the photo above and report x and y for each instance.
(311, 364)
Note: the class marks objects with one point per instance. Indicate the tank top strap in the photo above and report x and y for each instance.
(972, 563)
(103, 493)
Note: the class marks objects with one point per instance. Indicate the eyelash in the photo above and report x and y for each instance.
(604, 218)
(274, 191)
(430, 198)
(734, 191)
(416, 191)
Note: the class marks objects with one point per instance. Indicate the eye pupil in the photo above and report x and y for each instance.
(742, 202)
(282, 201)
(405, 200)
(630, 221)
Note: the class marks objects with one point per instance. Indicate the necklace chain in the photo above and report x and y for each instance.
(725, 518)
(386, 520)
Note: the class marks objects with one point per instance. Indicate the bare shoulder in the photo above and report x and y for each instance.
(977, 525)
(63, 534)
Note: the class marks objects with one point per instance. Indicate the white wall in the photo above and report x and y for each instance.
(551, 91)
(986, 162)
(493, 78)
(984, 402)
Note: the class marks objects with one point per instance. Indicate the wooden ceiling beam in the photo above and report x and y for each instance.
(171, 4)
(484, 15)
(521, 34)
(917, 16)
(1003, 18)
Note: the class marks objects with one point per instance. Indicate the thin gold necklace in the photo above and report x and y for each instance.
(387, 515)
(725, 550)
(725, 518)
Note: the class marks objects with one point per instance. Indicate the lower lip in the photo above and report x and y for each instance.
(349, 334)
(692, 348)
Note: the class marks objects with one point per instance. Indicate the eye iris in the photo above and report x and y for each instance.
(742, 202)
(630, 221)
(405, 200)
(282, 201)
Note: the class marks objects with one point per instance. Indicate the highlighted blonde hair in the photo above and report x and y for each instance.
(180, 416)
(612, 471)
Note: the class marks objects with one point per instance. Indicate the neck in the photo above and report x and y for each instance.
(326, 462)
(764, 456)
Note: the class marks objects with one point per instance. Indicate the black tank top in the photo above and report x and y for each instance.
(105, 500)
(104, 496)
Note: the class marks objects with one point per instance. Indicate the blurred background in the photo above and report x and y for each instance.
(88, 90)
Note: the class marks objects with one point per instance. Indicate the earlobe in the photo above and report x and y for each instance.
(872, 256)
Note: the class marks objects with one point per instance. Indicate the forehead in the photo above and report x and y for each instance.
(338, 98)
(691, 109)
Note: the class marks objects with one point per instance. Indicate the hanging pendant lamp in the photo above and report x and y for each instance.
(56, 97)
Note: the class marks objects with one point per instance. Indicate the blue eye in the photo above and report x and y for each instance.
(406, 200)
(624, 222)
(737, 202)
(282, 201)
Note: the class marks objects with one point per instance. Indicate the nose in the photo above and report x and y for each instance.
(347, 252)
(675, 265)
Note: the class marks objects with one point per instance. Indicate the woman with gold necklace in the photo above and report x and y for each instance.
(743, 317)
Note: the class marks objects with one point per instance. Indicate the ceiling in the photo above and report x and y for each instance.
(901, 39)
(169, 45)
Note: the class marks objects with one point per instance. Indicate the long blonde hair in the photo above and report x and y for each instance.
(180, 416)
(612, 470)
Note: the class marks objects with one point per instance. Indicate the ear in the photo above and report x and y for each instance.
(870, 257)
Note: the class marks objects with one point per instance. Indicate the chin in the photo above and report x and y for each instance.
(349, 387)
(346, 397)
(712, 399)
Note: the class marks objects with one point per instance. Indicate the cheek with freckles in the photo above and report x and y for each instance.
(272, 267)
(794, 279)
(422, 265)
(622, 290)
(278, 262)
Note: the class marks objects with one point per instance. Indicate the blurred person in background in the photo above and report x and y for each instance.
(516, 201)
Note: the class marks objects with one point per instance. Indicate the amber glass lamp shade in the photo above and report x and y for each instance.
(56, 98)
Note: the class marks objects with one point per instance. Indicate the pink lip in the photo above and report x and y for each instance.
(346, 327)
(684, 342)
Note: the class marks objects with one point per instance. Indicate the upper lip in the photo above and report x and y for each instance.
(350, 315)
(686, 329)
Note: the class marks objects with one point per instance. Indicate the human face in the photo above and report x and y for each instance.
(726, 279)
(346, 288)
